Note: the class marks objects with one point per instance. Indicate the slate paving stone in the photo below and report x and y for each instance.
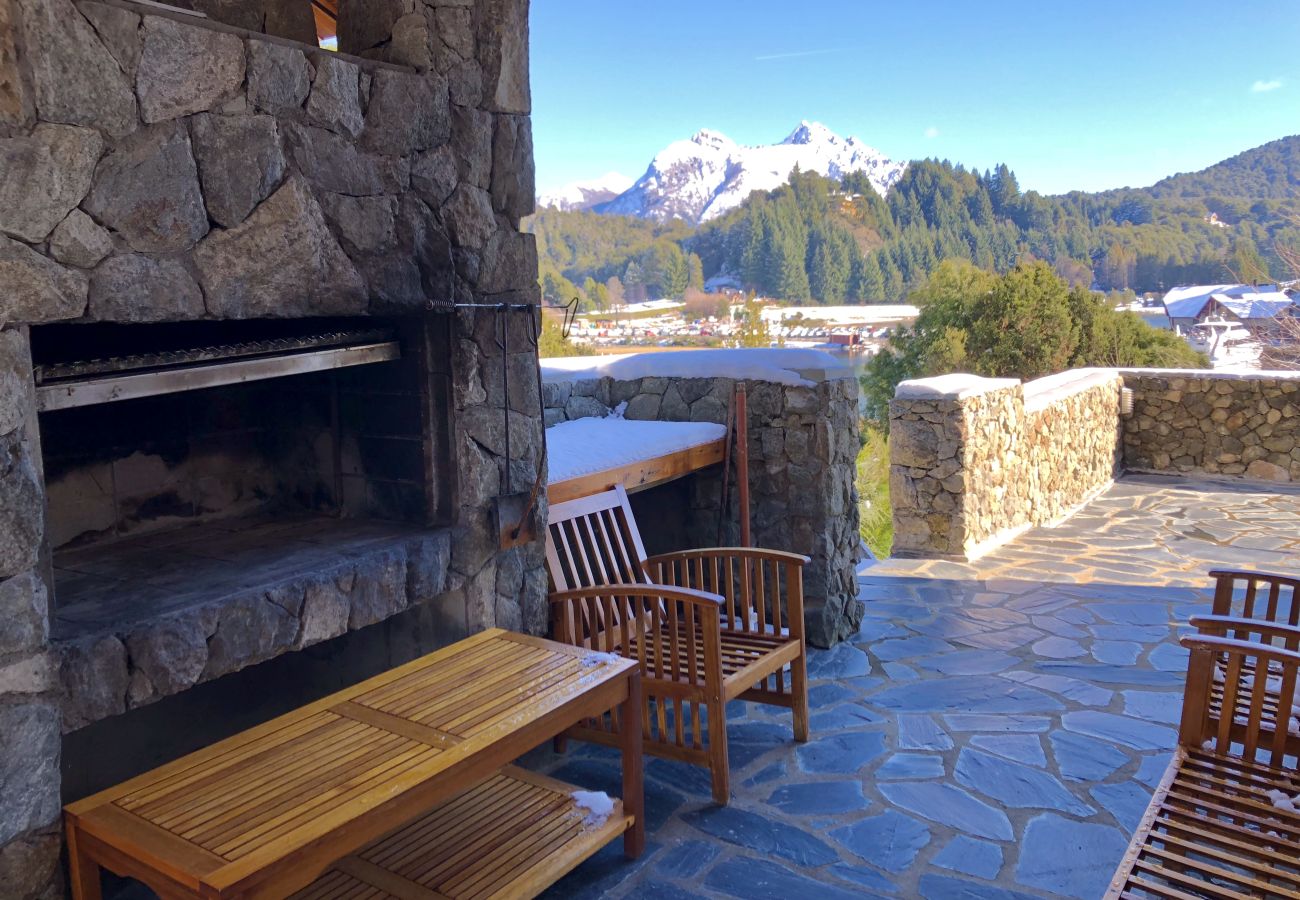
(878, 630)
(944, 887)
(897, 671)
(970, 857)
(1154, 706)
(1152, 769)
(1120, 730)
(658, 890)
(1116, 653)
(889, 841)
(1080, 758)
(1069, 688)
(819, 798)
(907, 766)
(1132, 613)
(951, 806)
(947, 627)
(1059, 648)
(1003, 640)
(969, 662)
(909, 648)
(1014, 785)
(824, 696)
(1169, 658)
(767, 774)
(1055, 625)
(842, 754)
(1024, 748)
(686, 859)
(864, 877)
(986, 693)
(846, 715)
(1147, 634)
(981, 722)
(1063, 857)
(760, 879)
(761, 834)
(1117, 675)
(842, 661)
(921, 733)
(1126, 801)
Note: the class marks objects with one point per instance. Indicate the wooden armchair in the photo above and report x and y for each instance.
(1223, 822)
(708, 627)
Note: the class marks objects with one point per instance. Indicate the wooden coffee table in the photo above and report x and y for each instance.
(314, 793)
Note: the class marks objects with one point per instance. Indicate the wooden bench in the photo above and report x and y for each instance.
(397, 786)
(1257, 595)
(1212, 828)
(705, 626)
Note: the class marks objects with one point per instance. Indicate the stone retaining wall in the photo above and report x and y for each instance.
(1218, 423)
(803, 446)
(974, 461)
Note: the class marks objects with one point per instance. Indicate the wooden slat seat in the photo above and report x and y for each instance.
(1212, 829)
(263, 813)
(707, 627)
(509, 837)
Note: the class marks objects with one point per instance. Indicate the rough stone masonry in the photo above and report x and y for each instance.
(155, 167)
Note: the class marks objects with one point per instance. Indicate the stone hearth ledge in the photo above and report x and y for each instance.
(116, 669)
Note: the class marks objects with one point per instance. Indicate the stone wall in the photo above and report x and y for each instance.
(157, 167)
(803, 446)
(1216, 423)
(974, 461)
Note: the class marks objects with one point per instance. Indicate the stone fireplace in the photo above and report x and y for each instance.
(253, 380)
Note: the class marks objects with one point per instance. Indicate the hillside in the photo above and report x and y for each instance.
(834, 240)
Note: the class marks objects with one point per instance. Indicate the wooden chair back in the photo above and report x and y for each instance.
(593, 541)
(1257, 595)
(1241, 697)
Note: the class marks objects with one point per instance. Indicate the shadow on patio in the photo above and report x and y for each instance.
(993, 730)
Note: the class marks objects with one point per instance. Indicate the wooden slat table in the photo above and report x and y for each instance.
(264, 813)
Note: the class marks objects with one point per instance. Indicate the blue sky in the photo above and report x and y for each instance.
(1070, 95)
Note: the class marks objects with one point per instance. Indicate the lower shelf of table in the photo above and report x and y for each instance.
(510, 837)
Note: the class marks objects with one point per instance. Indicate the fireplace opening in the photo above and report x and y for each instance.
(185, 463)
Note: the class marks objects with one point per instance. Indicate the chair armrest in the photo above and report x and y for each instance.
(1220, 625)
(702, 599)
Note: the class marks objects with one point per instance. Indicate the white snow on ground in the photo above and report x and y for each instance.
(1283, 800)
(595, 805)
(584, 446)
(778, 365)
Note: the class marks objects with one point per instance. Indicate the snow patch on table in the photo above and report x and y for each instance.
(596, 807)
(584, 446)
(780, 365)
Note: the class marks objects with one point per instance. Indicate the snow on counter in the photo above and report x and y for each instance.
(777, 365)
(585, 446)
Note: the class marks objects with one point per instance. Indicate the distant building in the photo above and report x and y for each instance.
(1213, 219)
(1254, 306)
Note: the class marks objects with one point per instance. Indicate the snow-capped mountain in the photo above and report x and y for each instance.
(703, 177)
(585, 194)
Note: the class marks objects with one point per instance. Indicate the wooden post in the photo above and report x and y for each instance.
(742, 460)
(633, 774)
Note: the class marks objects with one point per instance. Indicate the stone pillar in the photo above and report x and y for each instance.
(954, 464)
(29, 712)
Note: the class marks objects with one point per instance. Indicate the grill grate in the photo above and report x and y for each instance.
(165, 359)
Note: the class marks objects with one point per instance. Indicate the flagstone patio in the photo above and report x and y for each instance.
(994, 730)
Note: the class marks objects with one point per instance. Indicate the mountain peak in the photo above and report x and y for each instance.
(812, 133)
(701, 178)
(707, 137)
